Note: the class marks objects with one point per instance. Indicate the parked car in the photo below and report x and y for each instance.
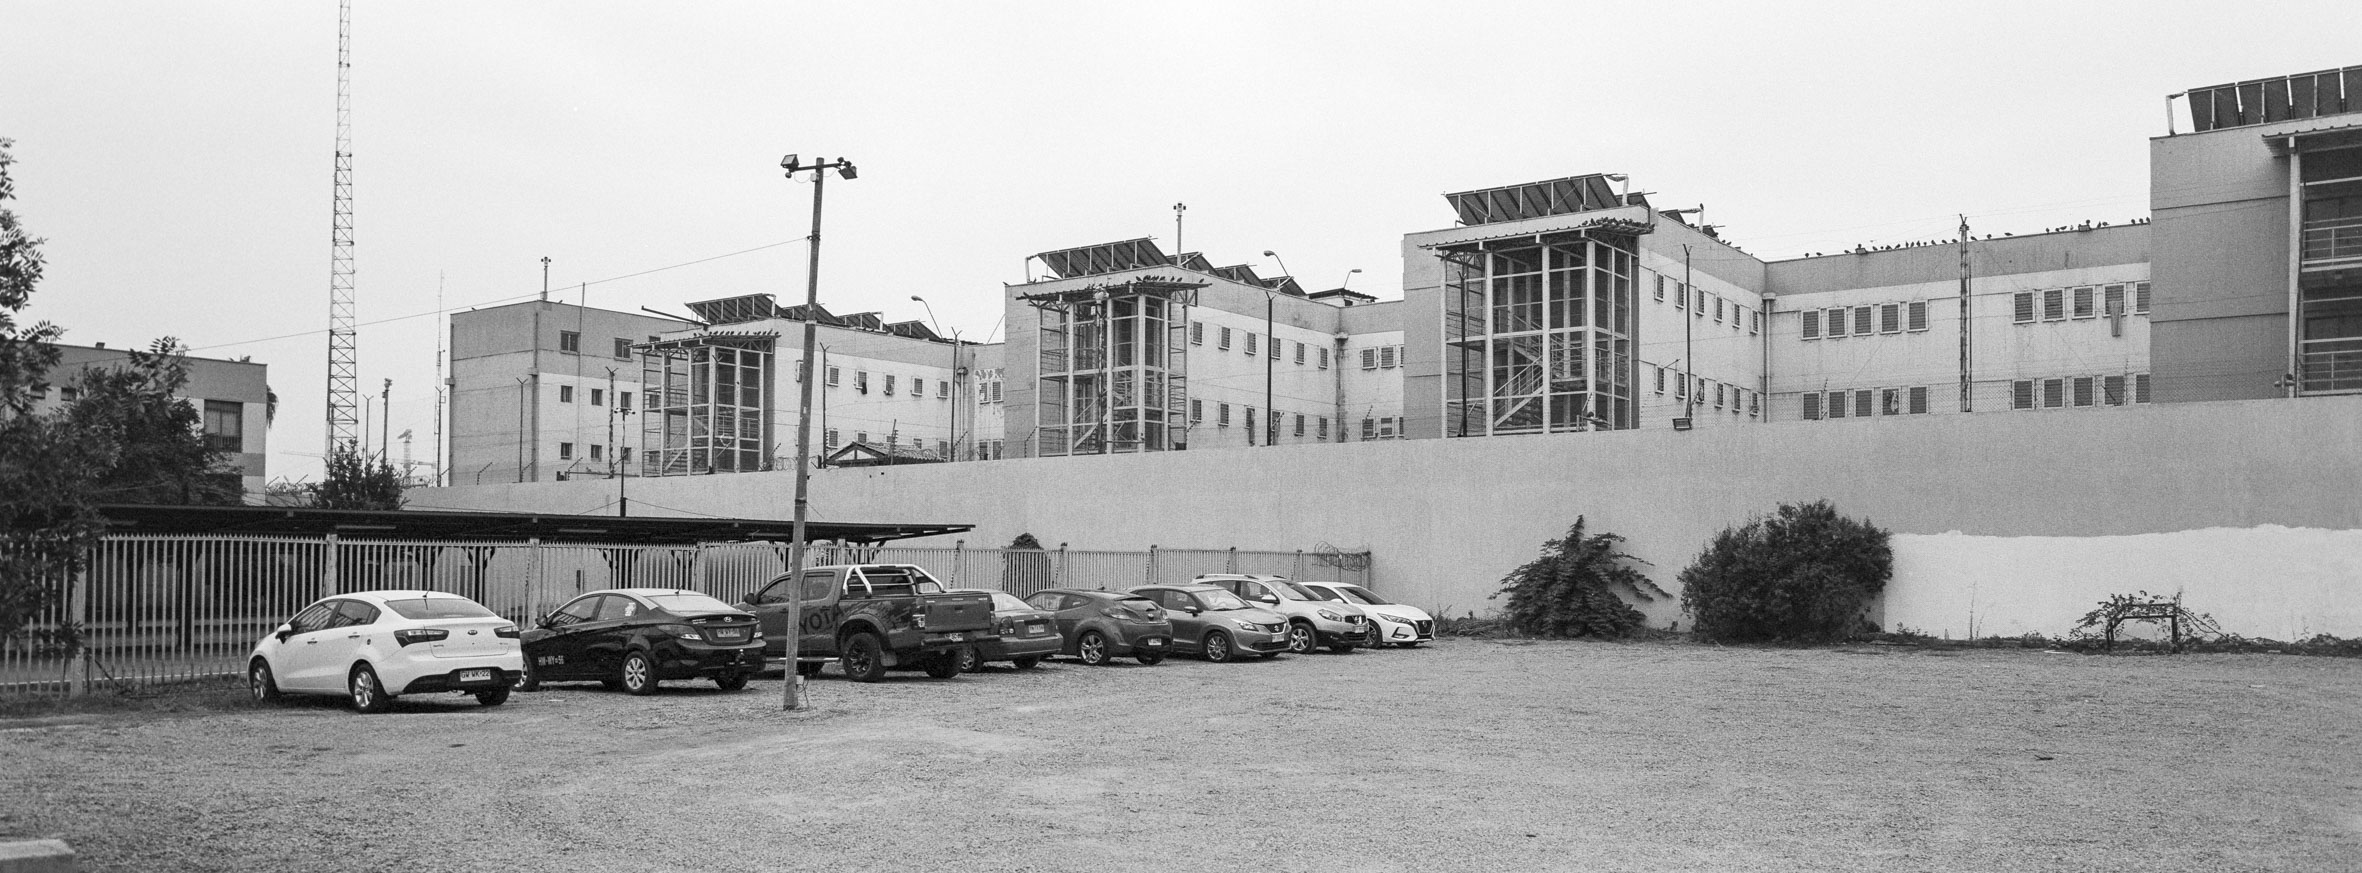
(1022, 635)
(1391, 623)
(871, 618)
(1098, 626)
(1312, 622)
(1212, 622)
(635, 638)
(373, 646)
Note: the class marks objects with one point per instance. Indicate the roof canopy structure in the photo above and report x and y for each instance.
(1536, 199)
(1092, 260)
(500, 526)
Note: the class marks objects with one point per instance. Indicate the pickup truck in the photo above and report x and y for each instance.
(871, 617)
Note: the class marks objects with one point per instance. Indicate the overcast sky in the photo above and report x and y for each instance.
(177, 156)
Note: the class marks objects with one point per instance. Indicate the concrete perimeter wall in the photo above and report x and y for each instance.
(1446, 519)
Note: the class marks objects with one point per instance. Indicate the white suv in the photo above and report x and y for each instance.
(373, 645)
(1312, 621)
(1390, 623)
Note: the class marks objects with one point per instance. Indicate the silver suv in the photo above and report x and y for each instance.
(1312, 621)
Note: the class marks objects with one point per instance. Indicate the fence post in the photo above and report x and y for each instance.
(329, 574)
(1231, 565)
(1296, 572)
(78, 611)
(956, 546)
(1150, 576)
(1062, 566)
(532, 579)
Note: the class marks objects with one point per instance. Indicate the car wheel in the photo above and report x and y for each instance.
(260, 681)
(970, 660)
(1218, 647)
(493, 697)
(1027, 663)
(1301, 639)
(809, 669)
(528, 680)
(943, 665)
(731, 681)
(864, 658)
(1092, 648)
(639, 674)
(368, 695)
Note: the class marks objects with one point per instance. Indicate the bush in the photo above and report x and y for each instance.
(1571, 590)
(1804, 574)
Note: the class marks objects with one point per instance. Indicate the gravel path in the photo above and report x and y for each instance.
(1464, 755)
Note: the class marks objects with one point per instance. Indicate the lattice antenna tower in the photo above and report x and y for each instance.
(344, 399)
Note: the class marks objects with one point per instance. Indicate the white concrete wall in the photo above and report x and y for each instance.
(1447, 518)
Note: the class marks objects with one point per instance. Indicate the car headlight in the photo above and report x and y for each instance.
(1244, 624)
(1331, 615)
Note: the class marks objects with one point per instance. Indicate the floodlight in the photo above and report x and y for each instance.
(788, 163)
(846, 168)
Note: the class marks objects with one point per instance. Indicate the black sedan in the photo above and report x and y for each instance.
(633, 638)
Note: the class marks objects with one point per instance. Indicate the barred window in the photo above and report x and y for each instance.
(834, 377)
(1197, 333)
(2140, 298)
(2112, 300)
(828, 441)
(1861, 321)
(1718, 395)
(1812, 406)
(1755, 322)
(1836, 322)
(1221, 415)
(1369, 359)
(2083, 304)
(1836, 407)
(1918, 317)
(2054, 393)
(1386, 356)
(1660, 380)
(1324, 358)
(1680, 296)
(1322, 425)
(2054, 304)
(1812, 324)
(2022, 307)
(1918, 401)
(1718, 309)
(1862, 400)
(2112, 390)
(1252, 339)
(2021, 394)
(1660, 288)
(2083, 390)
(1222, 338)
(1890, 318)
(2140, 388)
(1197, 409)
(1299, 424)
(1299, 353)
(1271, 349)
(623, 347)
(1369, 429)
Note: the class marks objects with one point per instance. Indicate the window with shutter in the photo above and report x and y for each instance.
(1755, 322)
(1918, 316)
(1222, 338)
(1836, 405)
(1386, 357)
(1322, 427)
(1698, 301)
(1812, 324)
(1812, 406)
(1718, 309)
(2021, 394)
(1680, 296)
(831, 441)
(2022, 307)
(1862, 321)
(2083, 303)
(1369, 429)
(1660, 380)
(1918, 401)
(2054, 304)
(2054, 393)
(1252, 339)
(1369, 359)
(1197, 333)
(1862, 400)
(2112, 300)
(1718, 395)
(1386, 427)
(1299, 353)
(1197, 410)
(1299, 424)
(1890, 318)
(2112, 390)
(1754, 404)
(2140, 298)
(1660, 287)
(2140, 388)
(1222, 415)
(1836, 322)
(2083, 390)
(1271, 349)
(1324, 358)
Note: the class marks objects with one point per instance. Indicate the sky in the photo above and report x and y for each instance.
(178, 157)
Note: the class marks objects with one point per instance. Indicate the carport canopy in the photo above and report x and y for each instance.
(503, 526)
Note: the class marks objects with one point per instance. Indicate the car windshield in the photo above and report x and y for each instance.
(438, 607)
(1358, 594)
(1325, 593)
(1006, 602)
(686, 603)
(1218, 600)
(1292, 591)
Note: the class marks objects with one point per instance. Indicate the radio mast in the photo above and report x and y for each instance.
(343, 390)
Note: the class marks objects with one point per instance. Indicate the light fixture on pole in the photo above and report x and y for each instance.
(1271, 354)
(1348, 279)
(958, 379)
(792, 695)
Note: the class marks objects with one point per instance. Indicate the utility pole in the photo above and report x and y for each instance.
(1271, 352)
(792, 694)
(1178, 250)
(1689, 355)
(615, 468)
(385, 416)
(1967, 377)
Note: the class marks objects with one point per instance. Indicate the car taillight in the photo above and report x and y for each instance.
(509, 631)
(420, 635)
(684, 631)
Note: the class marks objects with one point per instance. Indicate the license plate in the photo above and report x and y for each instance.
(475, 675)
(1154, 643)
(730, 634)
(955, 636)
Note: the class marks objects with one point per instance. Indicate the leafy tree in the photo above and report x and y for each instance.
(357, 482)
(154, 440)
(1572, 589)
(26, 353)
(1804, 574)
(45, 523)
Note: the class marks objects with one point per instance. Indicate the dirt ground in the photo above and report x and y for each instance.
(1462, 755)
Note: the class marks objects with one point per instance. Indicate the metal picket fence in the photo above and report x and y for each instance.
(152, 613)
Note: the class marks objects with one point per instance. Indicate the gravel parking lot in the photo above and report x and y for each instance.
(1463, 755)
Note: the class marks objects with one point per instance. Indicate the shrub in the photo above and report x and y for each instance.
(1804, 574)
(1571, 590)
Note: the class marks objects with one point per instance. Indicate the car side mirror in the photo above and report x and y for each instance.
(1191, 610)
(546, 622)
(284, 631)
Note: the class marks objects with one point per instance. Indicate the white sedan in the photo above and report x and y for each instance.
(1393, 623)
(374, 645)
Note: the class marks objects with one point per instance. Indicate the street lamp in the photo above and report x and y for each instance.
(1348, 279)
(792, 696)
(1270, 355)
(958, 378)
